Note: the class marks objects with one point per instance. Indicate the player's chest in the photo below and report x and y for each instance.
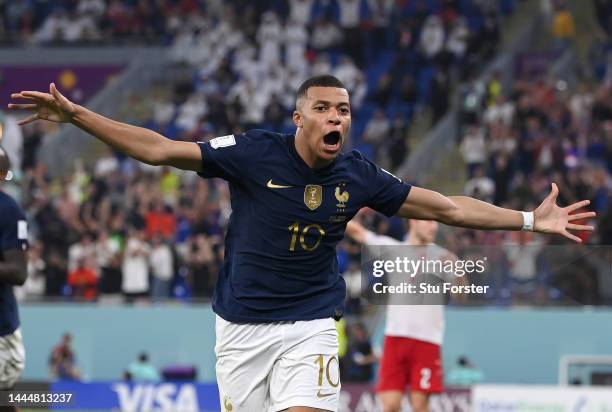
(322, 199)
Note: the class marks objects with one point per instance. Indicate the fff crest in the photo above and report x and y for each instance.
(313, 195)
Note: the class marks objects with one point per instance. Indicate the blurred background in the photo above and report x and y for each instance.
(489, 98)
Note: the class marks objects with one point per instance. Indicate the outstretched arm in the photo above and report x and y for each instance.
(472, 213)
(141, 144)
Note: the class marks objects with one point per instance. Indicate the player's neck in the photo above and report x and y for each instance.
(307, 155)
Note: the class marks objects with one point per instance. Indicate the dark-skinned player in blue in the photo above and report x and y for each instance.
(13, 272)
(279, 289)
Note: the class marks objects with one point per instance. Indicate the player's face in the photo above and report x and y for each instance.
(325, 118)
(424, 230)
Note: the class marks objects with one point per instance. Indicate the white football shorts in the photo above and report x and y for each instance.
(274, 366)
(12, 359)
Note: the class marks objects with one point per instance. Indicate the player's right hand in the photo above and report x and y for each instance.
(52, 106)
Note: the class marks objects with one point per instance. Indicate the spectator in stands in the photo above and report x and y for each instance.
(269, 36)
(464, 374)
(201, 261)
(83, 280)
(55, 274)
(522, 250)
(300, 11)
(108, 255)
(480, 186)
(84, 249)
(326, 36)
(474, 149)
(350, 20)
(398, 141)
(142, 370)
(135, 268)
(160, 220)
(563, 27)
(62, 362)
(53, 28)
(296, 39)
(162, 269)
(377, 130)
(440, 95)
(502, 177)
(432, 37)
(501, 111)
(34, 286)
(360, 356)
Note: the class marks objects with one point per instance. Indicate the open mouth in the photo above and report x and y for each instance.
(332, 141)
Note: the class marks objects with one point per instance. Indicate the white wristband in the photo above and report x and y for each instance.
(528, 221)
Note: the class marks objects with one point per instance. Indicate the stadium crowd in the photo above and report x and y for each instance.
(246, 64)
(517, 141)
(120, 228)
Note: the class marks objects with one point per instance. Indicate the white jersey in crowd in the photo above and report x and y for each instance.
(422, 322)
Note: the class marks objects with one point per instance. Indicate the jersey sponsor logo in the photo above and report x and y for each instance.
(22, 230)
(341, 196)
(313, 196)
(223, 141)
(275, 186)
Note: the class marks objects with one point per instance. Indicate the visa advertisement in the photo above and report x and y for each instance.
(123, 396)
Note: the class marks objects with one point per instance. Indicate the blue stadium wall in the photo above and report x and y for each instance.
(510, 346)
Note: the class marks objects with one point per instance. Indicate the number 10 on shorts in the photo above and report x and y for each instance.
(325, 368)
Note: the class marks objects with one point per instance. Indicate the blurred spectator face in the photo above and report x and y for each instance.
(86, 239)
(479, 172)
(359, 332)
(501, 162)
(424, 230)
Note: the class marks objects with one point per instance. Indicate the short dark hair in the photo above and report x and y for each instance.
(325, 80)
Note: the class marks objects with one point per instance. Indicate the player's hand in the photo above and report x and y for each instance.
(52, 106)
(550, 218)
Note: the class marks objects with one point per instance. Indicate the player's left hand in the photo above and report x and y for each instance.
(550, 218)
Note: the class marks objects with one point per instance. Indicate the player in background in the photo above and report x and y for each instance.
(279, 288)
(13, 272)
(413, 333)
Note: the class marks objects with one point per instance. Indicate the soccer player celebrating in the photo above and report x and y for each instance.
(413, 333)
(13, 272)
(279, 289)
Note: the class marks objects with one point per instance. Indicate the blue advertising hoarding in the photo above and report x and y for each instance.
(125, 396)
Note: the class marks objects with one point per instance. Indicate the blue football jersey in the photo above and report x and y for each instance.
(13, 235)
(280, 248)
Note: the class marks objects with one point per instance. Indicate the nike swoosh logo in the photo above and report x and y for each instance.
(323, 395)
(273, 186)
